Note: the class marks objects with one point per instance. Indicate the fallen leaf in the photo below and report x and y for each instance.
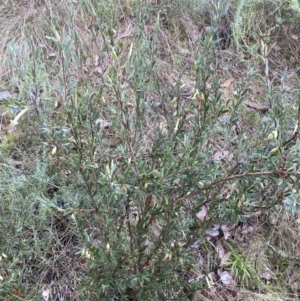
(96, 60)
(14, 122)
(225, 118)
(294, 37)
(88, 61)
(45, 294)
(51, 56)
(195, 244)
(212, 233)
(227, 83)
(216, 227)
(187, 92)
(97, 70)
(196, 277)
(237, 71)
(4, 94)
(220, 250)
(266, 275)
(277, 48)
(255, 214)
(212, 276)
(54, 150)
(226, 232)
(225, 258)
(103, 123)
(157, 104)
(274, 219)
(296, 287)
(226, 278)
(256, 106)
(222, 155)
(247, 229)
(226, 235)
(16, 162)
(224, 227)
(67, 172)
(200, 259)
(202, 213)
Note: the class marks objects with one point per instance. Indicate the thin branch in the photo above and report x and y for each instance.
(296, 133)
(226, 179)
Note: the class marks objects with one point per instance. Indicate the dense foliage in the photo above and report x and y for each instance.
(129, 173)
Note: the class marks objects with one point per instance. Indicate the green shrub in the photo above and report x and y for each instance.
(138, 164)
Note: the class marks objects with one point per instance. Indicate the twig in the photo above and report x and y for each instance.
(296, 133)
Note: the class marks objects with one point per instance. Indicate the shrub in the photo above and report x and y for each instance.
(139, 164)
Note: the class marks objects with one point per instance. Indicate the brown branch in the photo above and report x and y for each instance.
(165, 231)
(131, 238)
(208, 186)
(296, 133)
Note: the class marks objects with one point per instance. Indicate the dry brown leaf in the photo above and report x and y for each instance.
(266, 275)
(103, 123)
(45, 293)
(200, 259)
(294, 37)
(237, 71)
(226, 235)
(88, 61)
(255, 214)
(198, 276)
(226, 278)
(16, 162)
(220, 250)
(256, 106)
(247, 229)
(226, 232)
(195, 244)
(273, 220)
(232, 289)
(97, 70)
(212, 276)
(222, 155)
(296, 287)
(202, 214)
(225, 258)
(51, 55)
(4, 94)
(67, 172)
(227, 83)
(277, 48)
(96, 60)
(212, 233)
